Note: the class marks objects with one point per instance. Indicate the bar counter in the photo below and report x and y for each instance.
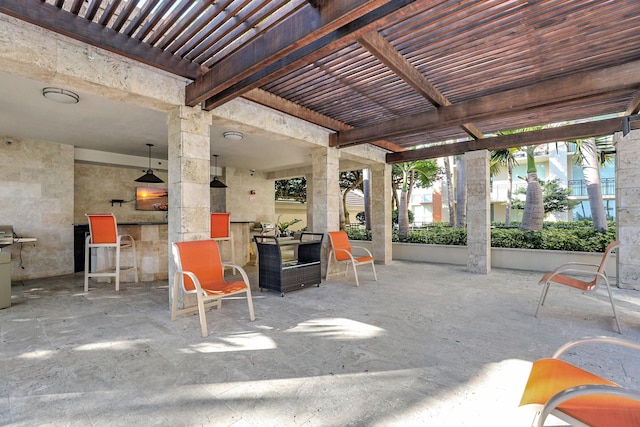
(153, 249)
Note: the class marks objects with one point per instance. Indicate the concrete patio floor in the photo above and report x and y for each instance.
(426, 344)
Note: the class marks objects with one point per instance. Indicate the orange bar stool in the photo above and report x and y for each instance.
(103, 234)
(221, 232)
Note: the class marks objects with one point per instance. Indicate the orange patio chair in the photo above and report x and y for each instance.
(200, 270)
(572, 274)
(342, 253)
(221, 232)
(577, 396)
(103, 234)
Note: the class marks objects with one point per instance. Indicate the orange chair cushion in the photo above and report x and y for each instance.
(570, 281)
(220, 225)
(103, 229)
(340, 240)
(202, 258)
(364, 259)
(550, 376)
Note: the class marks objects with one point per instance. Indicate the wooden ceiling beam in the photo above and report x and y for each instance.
(270, 100)
(296, 110)
(520, 139)
(386, 15)
(379, 47)
(75, 7)
(60, 21)
(634, 105)
(502, 104)
(93, 8)
(292, 41)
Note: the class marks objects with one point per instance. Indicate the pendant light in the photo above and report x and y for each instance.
(216, 183)
(149, 176)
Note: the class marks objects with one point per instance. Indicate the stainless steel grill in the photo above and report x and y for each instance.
(6, 235)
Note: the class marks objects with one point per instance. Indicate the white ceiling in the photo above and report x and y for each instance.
(102, 124)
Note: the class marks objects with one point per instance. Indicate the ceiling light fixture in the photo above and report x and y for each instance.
(149, 176)
(62, 96)
(216, 183)
(232, 134)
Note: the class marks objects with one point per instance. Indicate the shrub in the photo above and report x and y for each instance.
(577, 236)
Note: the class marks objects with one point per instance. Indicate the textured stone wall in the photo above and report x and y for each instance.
(36, 198)
(245, 206)
(36, 53)
(381, 213)
(478, 213)
(628, 208)
(96, 185)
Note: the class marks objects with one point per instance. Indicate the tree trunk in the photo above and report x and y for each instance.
(461, 193)
(591, 172)
(345, 209)
(450, 204)
(341, 214)
(507, 214)
(533, 216)
(403, 210)
(366, 189)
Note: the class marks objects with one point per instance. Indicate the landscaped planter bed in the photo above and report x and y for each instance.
(517, 259)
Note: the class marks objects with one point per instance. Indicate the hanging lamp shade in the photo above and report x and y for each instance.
(216, 183)
(149, 176)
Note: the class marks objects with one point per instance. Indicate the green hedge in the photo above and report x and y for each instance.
(579, 236)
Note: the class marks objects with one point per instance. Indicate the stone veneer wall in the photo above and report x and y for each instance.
(96, 185)
(628, 208)
(36, 198)
(245, 206)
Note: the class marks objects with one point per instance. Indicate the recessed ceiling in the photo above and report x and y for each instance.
(103, 124)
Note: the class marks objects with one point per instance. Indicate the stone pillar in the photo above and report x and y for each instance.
(324, 203)
(189, 169)
(309, 178)
(382, 246)
(628, 208)
(478, 213)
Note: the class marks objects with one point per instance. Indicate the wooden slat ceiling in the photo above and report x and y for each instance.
(394, 73)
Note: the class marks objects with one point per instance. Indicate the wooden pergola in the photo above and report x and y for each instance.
(443, 75)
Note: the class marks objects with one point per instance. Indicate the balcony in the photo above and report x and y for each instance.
(579, 187)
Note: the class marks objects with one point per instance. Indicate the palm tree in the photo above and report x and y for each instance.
(587, 156)
(533, 216)
(461, 193)
(505, 158)
(424, 171)
(349, 181)
(449, 178)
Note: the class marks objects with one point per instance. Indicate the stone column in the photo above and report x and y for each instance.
(382, 247)
(309, 178)
(478, 212)
(628, 208)
(325, 198)
(189, 169)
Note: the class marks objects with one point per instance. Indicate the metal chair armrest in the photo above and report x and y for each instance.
(345, 251)
(195, 280)
(245, 277)
(364, 249)
(584, 390)
(591, 340)
(563, 267)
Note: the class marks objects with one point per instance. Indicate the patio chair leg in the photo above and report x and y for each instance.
(355, 273)
(613, 306)
(543, 297)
